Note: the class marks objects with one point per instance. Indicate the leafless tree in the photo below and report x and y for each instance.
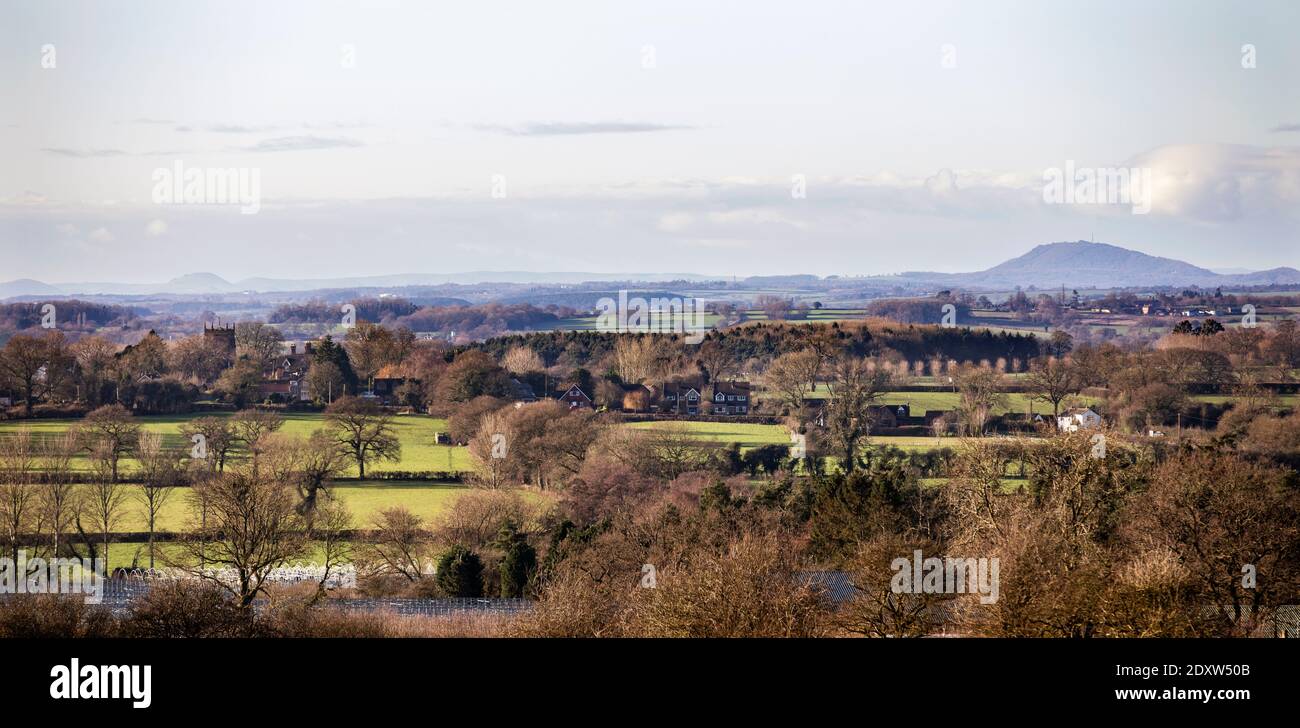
(364, 430)
(18, 471)
(855, 386)
(401, 544)
(250, 527)
(161, 472)
(109, 433)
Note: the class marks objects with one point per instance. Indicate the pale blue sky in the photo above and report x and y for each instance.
(612, 166)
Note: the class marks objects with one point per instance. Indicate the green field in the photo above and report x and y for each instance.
(1283, 400)
(416, 433)
(747, 434)
(752, 435)
(363, 498)
(920, 402)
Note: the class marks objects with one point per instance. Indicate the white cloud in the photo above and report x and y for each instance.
(1223, 182)
(102, 235)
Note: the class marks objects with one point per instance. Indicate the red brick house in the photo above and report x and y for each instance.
(575, 398)
(730, 398)
(678, 398)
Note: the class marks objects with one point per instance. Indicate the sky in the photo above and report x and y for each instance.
(715, 138)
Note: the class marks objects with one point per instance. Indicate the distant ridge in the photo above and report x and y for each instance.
(1083, 264)
(1077, 264)
(210, 283)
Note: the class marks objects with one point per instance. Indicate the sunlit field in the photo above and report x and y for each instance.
(416, 433)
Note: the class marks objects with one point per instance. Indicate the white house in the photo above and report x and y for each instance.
(1078, 418)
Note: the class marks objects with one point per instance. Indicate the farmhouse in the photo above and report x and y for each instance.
(286, 378)
(575, 397)
(387, 382)
(678, 398)
(730, 398)
(1078, 418)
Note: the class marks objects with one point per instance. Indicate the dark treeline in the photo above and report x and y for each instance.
(765, 341)
(323, 312)
(20, 316)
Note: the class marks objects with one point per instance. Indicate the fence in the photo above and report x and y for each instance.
(131, 584)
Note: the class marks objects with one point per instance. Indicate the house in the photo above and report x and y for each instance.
(730, 398)
(884, 415)
(287, 378)
(387, 381)
(281, 389)
(1078, 418)
(575, 398)
(678, 398)
(521, 392)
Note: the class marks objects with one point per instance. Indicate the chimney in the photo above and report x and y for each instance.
(293, 348)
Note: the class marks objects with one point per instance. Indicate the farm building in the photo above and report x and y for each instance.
(1078, 418)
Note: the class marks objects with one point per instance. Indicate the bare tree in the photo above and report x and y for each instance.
(104, 498)
(716, 359)
(330, 522)
(309, 463)
(522, 360)
(364, 430)
(249, 427)
(258, 341)
(401, 545)
(18, 461)
(855, 386)
(980, 391)
(251, 526)
(1052, 381)
(639, 358)
(217, 436)
(109, 433)
(58, 500)
(161, 472)
(787, 378)
(1234, 525)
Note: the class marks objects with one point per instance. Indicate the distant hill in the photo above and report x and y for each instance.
(1082, 264)
(27, 287)
(1091, 264)
(200, 283)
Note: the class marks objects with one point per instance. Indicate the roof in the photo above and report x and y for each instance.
(1077, 411)
(567, 389)
(521, 390)
(731, 387)
(834, 586)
